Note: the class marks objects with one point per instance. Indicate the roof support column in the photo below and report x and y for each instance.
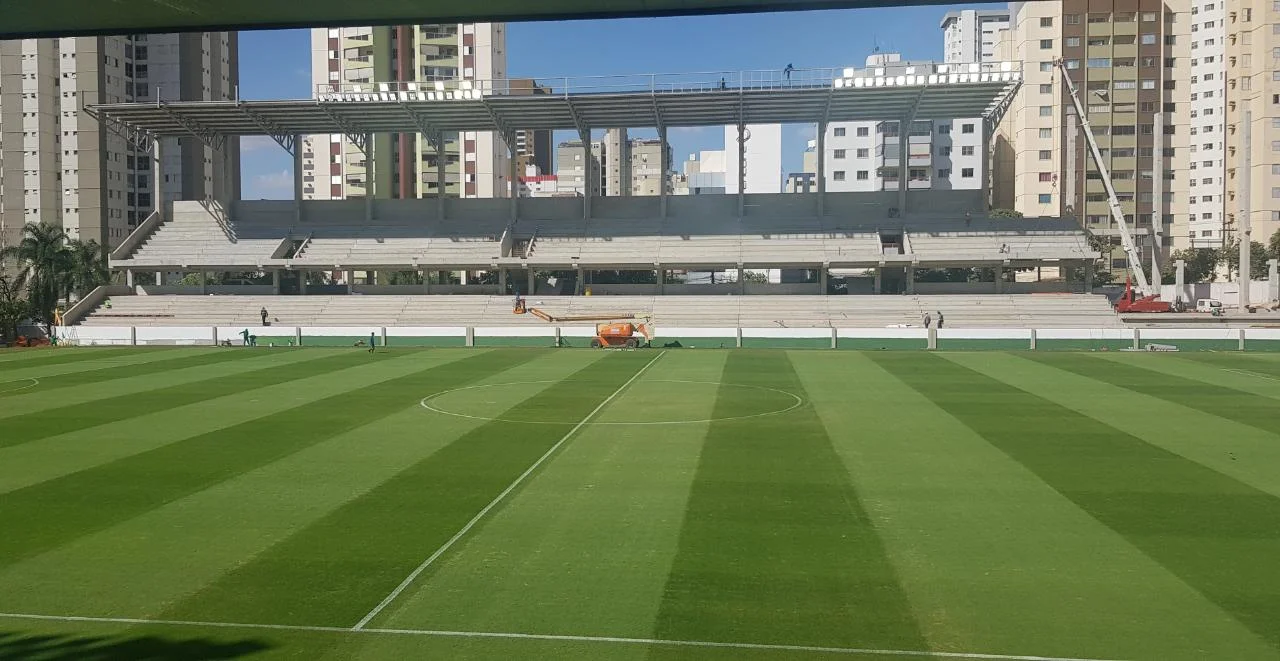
(513, 172)
(588, 177)
(157, 176)
(1244, 222)
(368, 177)
(437, 142)
(664, 165)
(904, 145)
(822, 169)
(742, 168)
(297, 180)
(1157, 199)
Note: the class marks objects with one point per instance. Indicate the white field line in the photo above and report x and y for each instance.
(33, 383)
(498, 499)
(427, 404)
(1253, 374)
(851, 651)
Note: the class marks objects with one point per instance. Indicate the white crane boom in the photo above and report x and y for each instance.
(1126, 238)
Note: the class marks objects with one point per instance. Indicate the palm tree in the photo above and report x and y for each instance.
(42, 262)
(86, 268)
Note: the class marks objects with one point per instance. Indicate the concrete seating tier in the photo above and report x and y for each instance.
(797, 311)
(265, 234)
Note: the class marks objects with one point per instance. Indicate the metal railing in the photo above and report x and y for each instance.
(669, 83)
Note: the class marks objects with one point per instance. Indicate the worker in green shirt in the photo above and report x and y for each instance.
(245, 334)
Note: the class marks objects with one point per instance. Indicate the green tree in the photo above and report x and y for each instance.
(1200, 265)
(1258, 256)
(13, 309)
(86, 268)
(42, 267)
(1005, 213)
(1273, 246)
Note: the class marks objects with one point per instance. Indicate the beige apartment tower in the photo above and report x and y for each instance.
(405, 165)
(1128, 61)
(1253, 118)
(58, 165)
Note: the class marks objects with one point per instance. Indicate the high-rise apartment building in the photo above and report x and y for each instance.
(1129, 66)
(404, 165)
(631, 166)
(972, 35)
(533, 147)
(58, 165)
(1253, 117)
(865, 156)
(1205, 225)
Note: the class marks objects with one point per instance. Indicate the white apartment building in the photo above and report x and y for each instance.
(865, 156)
(405, 165)
(57, 165)
(1206, 168)
(972, 35)
(762, 152)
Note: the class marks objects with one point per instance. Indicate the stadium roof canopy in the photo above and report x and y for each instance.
(677, 100)
(60, 18)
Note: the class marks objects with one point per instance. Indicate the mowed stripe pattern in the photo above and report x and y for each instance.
(778, 542)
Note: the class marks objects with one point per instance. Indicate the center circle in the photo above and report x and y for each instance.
(661, 403)
(27, 384)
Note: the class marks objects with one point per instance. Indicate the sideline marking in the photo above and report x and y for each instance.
(34, 382)
(426, 404)
(1249, 373)
(852, 651)
(497, 499)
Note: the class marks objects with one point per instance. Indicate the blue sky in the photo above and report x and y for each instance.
(276, 64)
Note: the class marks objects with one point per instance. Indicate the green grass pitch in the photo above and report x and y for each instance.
(197, 503)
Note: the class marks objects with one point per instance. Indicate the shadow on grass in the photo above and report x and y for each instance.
(27, 646)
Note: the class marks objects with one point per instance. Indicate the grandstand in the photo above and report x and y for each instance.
(315, 254)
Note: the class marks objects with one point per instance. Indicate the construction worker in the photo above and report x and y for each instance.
(928, 321)
(939, 318)
(245, 334)
(370, 341)
(263, 312)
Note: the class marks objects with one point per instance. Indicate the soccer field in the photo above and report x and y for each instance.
(198, 503)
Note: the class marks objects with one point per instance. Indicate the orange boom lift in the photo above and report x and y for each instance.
(618, 334)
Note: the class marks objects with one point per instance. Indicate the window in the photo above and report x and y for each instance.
(966, 151)
(863, 153)
(966, 173)
(1074, 19)
(1098, 63)
(863, 131)
(1045, 154)
(839, 153)
(839, 175)
(1126, 84)
(1046, 67)
(1148, 39)
(1073, 42)
(1046, 177)
(966, 128)
(1046, 44)
(1046, 198)
(1046, 111)
(1046, 22)
(944, 173)
(862, 175)
(1073, 64)
(1046, 133)
(944, 151)
(838, 131)
(944, 129)
(1100, 18)
(1046, 89)
(1148, 17)
(1147, 84)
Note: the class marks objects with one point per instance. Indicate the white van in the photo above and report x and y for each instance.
(1210, 305)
